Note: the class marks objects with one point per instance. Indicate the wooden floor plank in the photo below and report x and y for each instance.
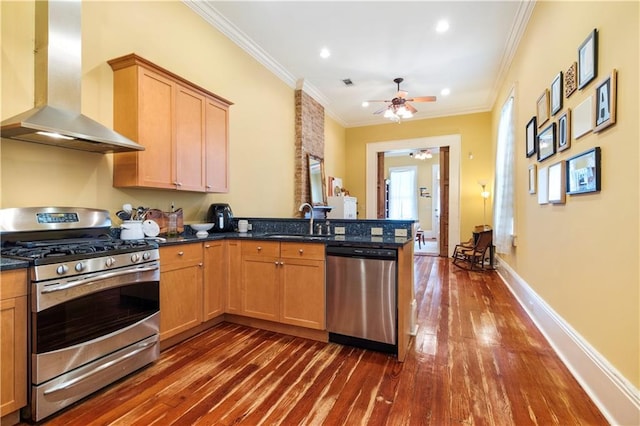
(476, 359)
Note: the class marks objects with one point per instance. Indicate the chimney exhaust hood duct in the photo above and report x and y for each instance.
(56, 119)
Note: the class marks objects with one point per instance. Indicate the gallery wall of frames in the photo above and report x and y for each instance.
(552, 129)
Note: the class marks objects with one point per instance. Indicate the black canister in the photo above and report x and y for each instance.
(221, 216)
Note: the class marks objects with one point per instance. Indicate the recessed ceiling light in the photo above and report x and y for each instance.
(445, 91)
(365, 104)
(442, 26)
(325, 53)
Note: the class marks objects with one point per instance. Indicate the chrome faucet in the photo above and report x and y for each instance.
(301, 208)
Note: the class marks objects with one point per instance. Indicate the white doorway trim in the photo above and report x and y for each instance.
(453, 142)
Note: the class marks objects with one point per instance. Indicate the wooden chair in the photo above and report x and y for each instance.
(420, 237)
(471, 254)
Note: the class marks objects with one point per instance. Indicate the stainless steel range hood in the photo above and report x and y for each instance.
(56, 119)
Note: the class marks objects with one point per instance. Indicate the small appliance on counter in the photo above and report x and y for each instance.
(221, 216)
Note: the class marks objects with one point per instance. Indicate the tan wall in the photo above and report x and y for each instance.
(582, 258)
(171, 35)
(475, 131)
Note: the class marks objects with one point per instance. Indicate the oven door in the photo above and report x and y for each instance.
(79, 320)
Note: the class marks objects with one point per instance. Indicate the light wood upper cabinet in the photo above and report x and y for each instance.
(13, 341)
(183, 128)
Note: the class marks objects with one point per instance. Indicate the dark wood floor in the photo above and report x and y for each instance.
(476, 359)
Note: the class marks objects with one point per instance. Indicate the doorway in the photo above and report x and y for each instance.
(450, 221)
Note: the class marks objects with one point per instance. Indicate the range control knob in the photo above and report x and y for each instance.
(62, 269)
(110, 262)
(79, 267)
(135, 257)
(146, 255)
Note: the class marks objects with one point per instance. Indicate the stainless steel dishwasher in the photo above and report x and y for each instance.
(362, 297)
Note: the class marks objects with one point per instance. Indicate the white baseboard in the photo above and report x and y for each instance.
(615, 396)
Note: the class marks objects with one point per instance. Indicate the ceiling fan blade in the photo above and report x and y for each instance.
(402, 94)
(378, 100)
(423, 99)
(410, 107)
(381, 110)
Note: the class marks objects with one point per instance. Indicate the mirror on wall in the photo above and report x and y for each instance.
(316, 181)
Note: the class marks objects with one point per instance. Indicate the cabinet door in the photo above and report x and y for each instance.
(303, 294)
(180, 288)
(155, 130)
(215, 275)
(189, 146)
(180, 300)
(13, 342)
(260, 289)
(233, 304)
(217, 175)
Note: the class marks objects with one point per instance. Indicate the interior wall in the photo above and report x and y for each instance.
(582, 257)
(476, 158)
(261, 132)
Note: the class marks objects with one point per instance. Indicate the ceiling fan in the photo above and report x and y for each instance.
(399, 107)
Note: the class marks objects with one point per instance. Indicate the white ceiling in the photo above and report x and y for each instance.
(373, 42)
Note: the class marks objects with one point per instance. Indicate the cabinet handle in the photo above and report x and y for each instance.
(200, 264)
(180, 253)
(259, 248)
(300, 251)
(277, 263)
(207, 246)
(208, 186)
(281, 263)
(177, 183)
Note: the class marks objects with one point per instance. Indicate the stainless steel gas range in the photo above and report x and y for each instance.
(94, 301)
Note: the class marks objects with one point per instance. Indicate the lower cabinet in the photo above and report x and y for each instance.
(181, 290)
(13, 341)
(284, 282)
(268, 280)
(215, 276)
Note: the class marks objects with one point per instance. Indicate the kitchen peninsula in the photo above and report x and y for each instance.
(271, 278)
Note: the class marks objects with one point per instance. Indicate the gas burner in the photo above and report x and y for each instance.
(63, 249)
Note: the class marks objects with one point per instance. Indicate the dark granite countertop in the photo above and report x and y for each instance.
(8, 264)
(343, 240)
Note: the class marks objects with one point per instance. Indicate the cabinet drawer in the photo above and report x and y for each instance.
(302, 251)
(14, 283)
(261, 248)
(180, 255)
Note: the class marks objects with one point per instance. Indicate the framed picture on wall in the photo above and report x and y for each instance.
(533, 172)
(547, 142)
(564, 130)
(583, 172)
(531, 137)
(582, 120)
(542, 108)
(588, 59)
(543, 185)
(570, 83)
(605, 109)
(556, 183)
(556, 94)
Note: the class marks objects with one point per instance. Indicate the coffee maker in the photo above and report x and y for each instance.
(221, 216)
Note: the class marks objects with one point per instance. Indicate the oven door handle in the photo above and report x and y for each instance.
(76, 283)
(66, 385)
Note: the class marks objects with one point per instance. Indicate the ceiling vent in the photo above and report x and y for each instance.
(347, 82)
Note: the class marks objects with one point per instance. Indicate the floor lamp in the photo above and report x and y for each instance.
(485, 194)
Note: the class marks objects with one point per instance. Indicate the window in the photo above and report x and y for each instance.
(503, 198)
(403, 193)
